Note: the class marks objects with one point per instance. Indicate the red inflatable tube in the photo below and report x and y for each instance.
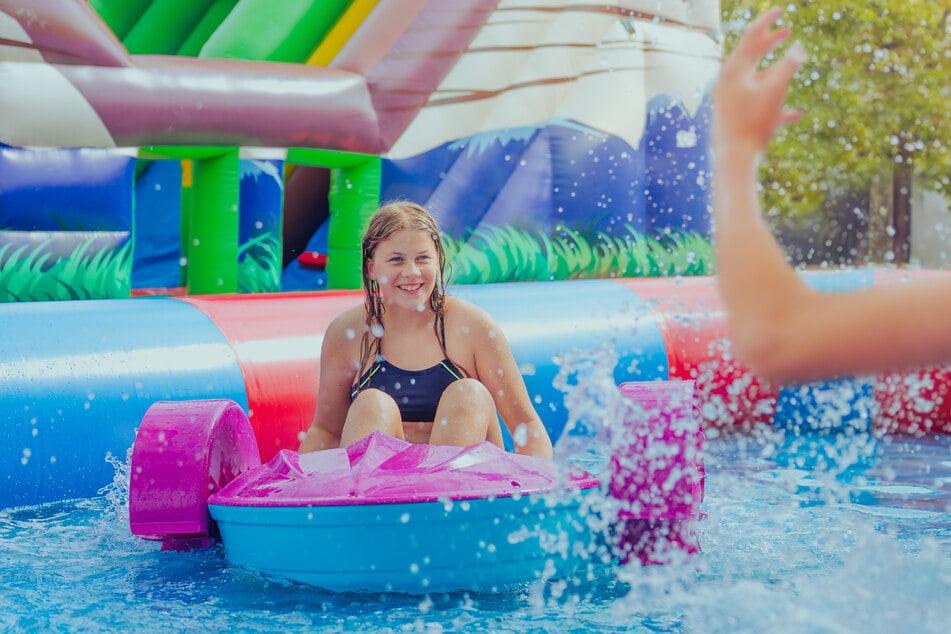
(277, 340)
(694, 330)
(915, 401)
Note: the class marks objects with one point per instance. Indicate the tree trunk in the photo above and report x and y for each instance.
(901, 213)
(880, 219)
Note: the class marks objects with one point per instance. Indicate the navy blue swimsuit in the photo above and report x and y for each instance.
(416, 392)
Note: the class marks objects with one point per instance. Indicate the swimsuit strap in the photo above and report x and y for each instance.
(362, 381)
(442, 333)
(451, 368)
(442, 345)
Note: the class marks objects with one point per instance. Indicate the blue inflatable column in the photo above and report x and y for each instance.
(158, 225)
(260, 250)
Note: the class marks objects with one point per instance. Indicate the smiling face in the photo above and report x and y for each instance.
(405, 266)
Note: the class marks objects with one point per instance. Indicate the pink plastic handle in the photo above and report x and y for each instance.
(184, 451)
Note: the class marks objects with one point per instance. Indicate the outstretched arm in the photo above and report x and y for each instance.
(781, 328)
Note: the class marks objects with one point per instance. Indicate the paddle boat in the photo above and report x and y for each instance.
(384, 515)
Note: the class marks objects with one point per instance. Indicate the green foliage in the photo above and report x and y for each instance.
(507, 254)
(874, 94)
(28, 274)
(259, 265)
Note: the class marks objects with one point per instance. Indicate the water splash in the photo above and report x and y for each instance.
(116, 493)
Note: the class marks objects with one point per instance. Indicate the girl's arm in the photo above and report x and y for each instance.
(497, 370)
(337, 372)
(781, 328)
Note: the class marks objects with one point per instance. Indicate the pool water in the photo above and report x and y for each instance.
(823, 534)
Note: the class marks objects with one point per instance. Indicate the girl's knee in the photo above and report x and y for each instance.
(466, 415)
(469, 394)
(374, 402)
(371, 410)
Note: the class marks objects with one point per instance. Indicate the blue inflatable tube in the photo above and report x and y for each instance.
(545, 323)
(77, 377)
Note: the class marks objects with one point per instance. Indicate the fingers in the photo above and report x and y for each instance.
(760, 38)
(780, 74)
(790, 63)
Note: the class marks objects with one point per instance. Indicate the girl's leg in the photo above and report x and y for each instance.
(466, 415)
(371, 411)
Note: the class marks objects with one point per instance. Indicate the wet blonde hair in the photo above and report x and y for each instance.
(387, 221)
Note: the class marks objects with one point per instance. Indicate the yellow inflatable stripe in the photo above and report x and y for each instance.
(186, 172)
(341, 32)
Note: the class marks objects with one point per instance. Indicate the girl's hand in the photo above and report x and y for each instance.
(748, 102)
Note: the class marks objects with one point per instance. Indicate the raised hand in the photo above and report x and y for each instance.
(749, 101)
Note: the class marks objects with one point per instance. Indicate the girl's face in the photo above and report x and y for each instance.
(405, 267)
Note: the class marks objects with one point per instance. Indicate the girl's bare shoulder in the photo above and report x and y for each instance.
(346, 328)
(461, 310)
(466, 318)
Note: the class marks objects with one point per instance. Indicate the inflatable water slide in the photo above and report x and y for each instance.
(552, 127)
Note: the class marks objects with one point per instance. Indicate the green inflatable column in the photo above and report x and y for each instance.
(212, 243)
(165, 26)
(354, 196)
(206, 27)
(120, 15)
(268, 30)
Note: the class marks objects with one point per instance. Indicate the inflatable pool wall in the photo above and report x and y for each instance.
(77, 377)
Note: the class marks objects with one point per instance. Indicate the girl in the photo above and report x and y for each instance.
(413, 361)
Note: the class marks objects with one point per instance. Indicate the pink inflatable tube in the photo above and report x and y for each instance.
(386, 515)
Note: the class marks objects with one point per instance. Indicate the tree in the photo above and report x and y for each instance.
(875, 93)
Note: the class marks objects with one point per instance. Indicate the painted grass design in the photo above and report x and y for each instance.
(506, 254)
(492, 254)
(27, 275)
(259, 265)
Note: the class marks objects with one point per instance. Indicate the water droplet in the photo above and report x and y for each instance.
(520, 437)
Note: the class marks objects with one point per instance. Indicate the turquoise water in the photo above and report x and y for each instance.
(800, 535)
